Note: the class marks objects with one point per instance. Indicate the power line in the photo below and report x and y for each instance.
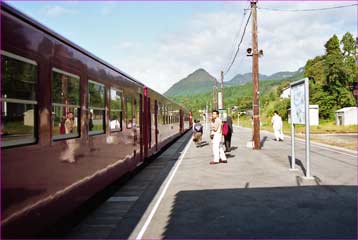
(238, 47)
(237, 34)
(306, 10)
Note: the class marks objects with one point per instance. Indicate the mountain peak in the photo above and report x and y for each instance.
(199, 81)
(200, 70)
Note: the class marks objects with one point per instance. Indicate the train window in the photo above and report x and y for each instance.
(96, 107)
(160, 117)
(169, 114)
(137, 117)
(115, 123)
(163, 114)
(129, 111)
(65, 105)
(18, 99)
(166, 115)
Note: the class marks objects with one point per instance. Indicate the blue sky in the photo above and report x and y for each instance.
(88, 23)
(160, 43)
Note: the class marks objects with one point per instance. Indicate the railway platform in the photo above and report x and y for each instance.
(254, 195)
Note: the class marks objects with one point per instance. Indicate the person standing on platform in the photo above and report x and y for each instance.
(216, 132)
(277, 126)
(197, 132)
(227, 132)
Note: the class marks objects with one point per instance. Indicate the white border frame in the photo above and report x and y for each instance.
(308, 176)
(17, 57)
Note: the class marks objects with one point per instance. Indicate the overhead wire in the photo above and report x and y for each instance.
(238, 46)
(237, 34)
(307, 10)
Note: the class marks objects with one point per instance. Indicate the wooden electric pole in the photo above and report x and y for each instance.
(255, 79)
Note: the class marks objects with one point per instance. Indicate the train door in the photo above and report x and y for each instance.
(145, 123)
(141, 126)
(156, 123)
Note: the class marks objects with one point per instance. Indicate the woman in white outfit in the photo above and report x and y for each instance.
(277, 126)
(218, 150)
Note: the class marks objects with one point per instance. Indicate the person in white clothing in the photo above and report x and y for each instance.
(218, 150)
(277, 126)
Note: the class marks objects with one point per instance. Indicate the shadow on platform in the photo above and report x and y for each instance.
(298, 163)
(263, 140)
(280, 212)
(202, 144)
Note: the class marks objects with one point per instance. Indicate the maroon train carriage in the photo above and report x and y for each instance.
(71, 124)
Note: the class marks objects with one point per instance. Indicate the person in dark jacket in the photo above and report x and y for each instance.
(228, 135)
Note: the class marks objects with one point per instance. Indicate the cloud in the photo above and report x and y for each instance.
(128, 46)
(208, 41)
(108, 8)
(55, 11)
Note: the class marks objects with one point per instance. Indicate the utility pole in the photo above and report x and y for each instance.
(255, 78)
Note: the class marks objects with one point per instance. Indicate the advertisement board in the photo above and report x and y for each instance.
(300, 115)
(298, 103)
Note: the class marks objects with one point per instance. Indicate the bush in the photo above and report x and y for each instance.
(281, 106)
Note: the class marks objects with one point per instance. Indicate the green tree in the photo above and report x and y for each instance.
(315, 71)
(332, 76)
(348, 44)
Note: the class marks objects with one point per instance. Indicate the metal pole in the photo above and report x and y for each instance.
(214, 106)
(293, 157)
(222, 89)
(255, 79)
(307, 116)
(206, 117)
(216, 95)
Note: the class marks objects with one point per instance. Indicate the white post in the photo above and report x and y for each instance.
(220, 102)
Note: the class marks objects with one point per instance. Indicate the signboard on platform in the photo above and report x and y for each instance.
(298, 103)
(300, 114)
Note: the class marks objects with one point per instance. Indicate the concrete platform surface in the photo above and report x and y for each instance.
(254, 195)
